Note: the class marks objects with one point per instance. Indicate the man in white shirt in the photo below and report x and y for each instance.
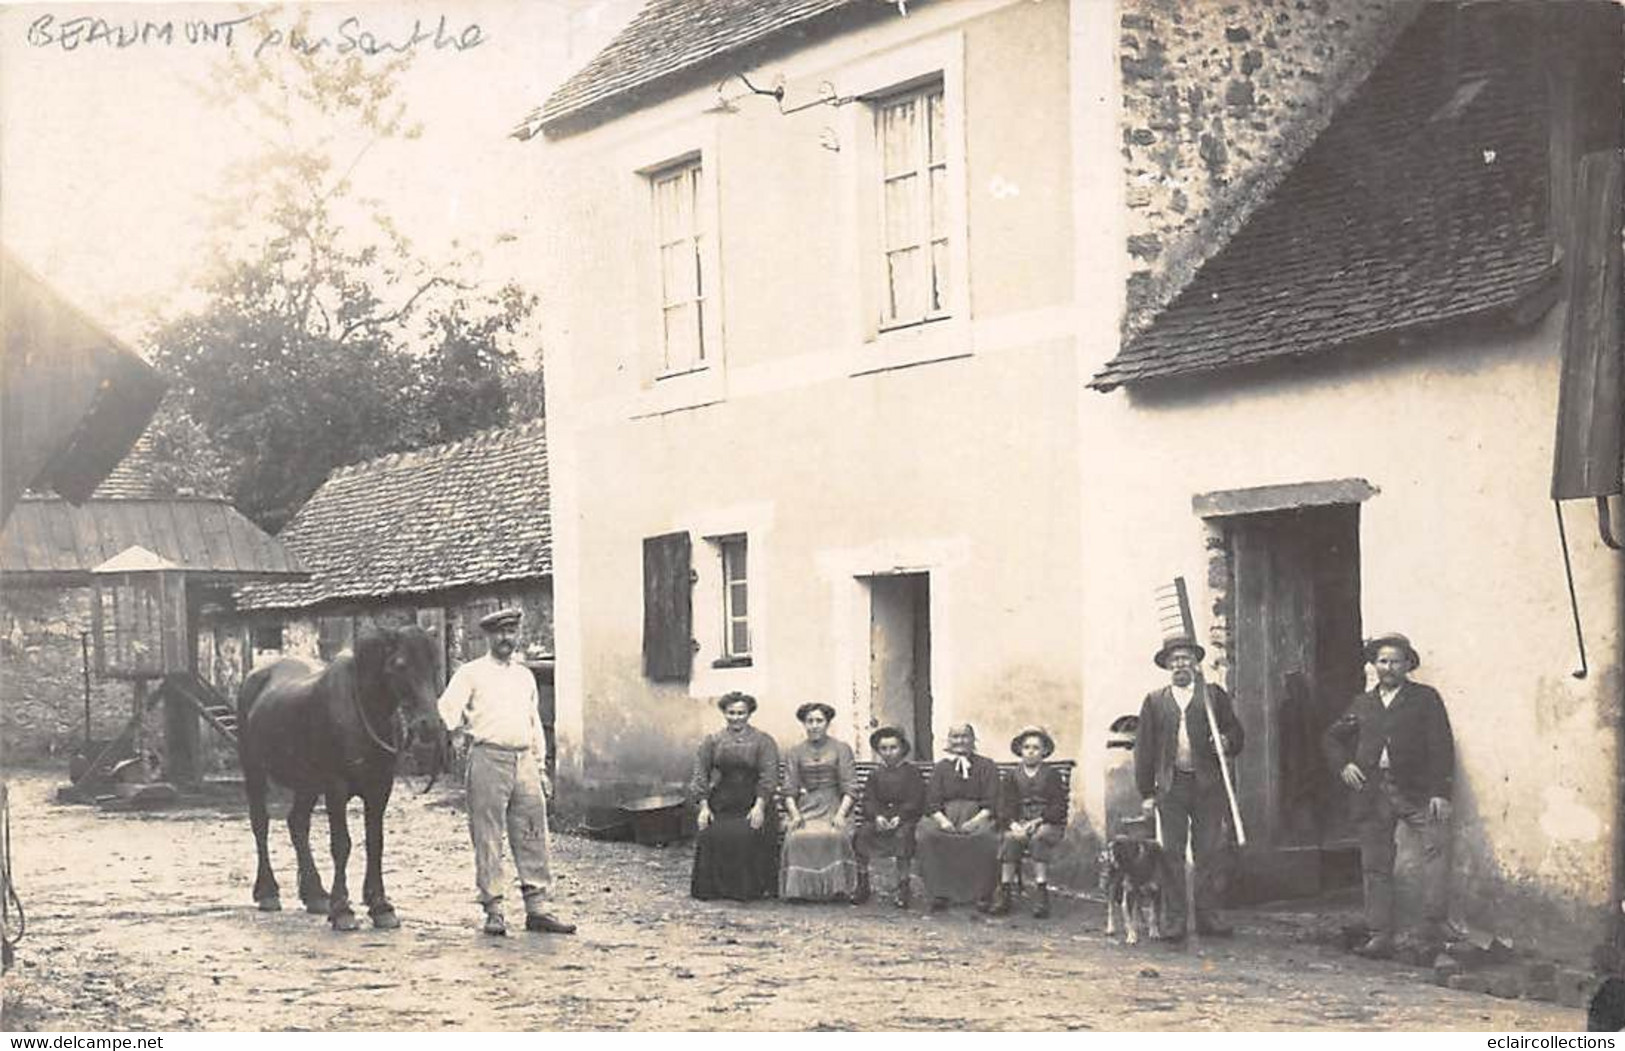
(493, 699)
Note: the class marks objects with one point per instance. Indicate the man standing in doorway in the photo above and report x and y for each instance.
(493, 699)
(1177, 771)
(1395, 751)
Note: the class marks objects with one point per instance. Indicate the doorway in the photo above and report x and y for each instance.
(900, 656)
(1296, 666)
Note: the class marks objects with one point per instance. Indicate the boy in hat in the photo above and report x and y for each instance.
(493, 699)
(895, 800)
(1176, 769)
(1395, 751)
(1033, 815)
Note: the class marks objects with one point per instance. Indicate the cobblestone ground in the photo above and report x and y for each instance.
(144, 922)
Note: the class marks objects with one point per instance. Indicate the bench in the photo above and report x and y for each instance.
(865, 767)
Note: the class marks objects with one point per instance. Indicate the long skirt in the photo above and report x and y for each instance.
(957, 865)
(817, 862)
(731, 859)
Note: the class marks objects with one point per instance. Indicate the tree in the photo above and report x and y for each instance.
(321, 340)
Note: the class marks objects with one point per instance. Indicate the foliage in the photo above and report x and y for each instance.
(320, 338)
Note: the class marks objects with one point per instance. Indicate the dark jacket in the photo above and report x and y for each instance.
(894, 791)
(1416, 731)
(1022, 798)
(946, 785)
(1156, 741)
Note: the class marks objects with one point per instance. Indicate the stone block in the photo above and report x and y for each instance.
(1506, 985)
(1575, 987)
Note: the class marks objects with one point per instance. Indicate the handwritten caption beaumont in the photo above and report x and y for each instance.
(350, 36)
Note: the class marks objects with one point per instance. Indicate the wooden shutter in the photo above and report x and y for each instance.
(1590, 429)
(668, 608)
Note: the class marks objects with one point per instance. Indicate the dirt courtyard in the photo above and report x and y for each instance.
(144, 922)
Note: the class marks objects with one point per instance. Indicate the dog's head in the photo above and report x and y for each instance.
(1138, 859)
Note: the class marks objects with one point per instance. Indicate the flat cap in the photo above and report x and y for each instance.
(502, 618)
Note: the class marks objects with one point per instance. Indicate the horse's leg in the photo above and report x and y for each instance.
(266, 893)
(311, 891)
(372, 890)
(339, 913)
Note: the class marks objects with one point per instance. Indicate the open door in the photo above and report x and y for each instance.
(900, 656)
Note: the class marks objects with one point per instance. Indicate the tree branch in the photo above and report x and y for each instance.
(377, 322)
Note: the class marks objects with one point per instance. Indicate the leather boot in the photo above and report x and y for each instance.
(1001, 900)
(1041, 908)
(863, 891)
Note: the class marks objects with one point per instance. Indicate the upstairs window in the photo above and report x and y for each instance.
(914, 213)
(679, 235)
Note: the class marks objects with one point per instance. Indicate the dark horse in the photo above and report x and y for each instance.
(330, 733)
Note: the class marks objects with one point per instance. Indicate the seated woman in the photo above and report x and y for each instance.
(820, 777)
(894, 800)
(958, 840)
(735, 772)
(1032, 813)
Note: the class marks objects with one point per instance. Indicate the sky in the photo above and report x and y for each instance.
(108, 153)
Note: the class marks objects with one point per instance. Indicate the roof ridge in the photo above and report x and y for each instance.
(494, 435)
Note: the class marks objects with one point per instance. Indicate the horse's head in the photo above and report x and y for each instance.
(403, 662)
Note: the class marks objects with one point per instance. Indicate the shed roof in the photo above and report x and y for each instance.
(1423, 202)
(468, 513)
(50, 541)
(75, 397)
(669, 37)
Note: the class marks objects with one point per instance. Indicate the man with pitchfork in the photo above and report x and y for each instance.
(1181, 782)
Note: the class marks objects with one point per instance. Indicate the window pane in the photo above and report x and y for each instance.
(739, 639)
(902, 227)
(681, 348)
(939, 276)
(677, 273)
(899, 137)
(733, 555)
(907, 299)
(738, 603)
(937, 128)
(669, 208)
(939, 201)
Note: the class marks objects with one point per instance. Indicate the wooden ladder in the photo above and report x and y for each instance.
(215, 709)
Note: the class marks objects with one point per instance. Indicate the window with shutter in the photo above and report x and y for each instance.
(668, 612)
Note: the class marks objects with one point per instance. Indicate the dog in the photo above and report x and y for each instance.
(1130, 874)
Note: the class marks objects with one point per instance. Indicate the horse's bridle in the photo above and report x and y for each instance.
(366, 724)
(391, 750)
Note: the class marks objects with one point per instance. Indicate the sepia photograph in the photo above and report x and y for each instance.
(878, 516)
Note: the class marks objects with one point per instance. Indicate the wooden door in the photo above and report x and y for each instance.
(1296, 666)
(900, 656)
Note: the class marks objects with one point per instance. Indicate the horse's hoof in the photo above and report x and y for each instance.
(386, 920)
(344, 921)
(318, 906)
(269, 904)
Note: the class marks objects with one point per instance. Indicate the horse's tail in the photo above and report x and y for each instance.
(247, 694)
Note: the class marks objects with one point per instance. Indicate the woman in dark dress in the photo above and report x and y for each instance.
(958, 840)
(735, 772)
(1032, 816)
(894, 799)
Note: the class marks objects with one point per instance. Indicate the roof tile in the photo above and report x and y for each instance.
(468, 513)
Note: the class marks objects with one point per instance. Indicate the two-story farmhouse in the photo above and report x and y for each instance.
(897, 353)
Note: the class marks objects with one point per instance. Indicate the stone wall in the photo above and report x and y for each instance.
(1219, 100)
(42, 683)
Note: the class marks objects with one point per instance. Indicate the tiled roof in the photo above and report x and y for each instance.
(671, 36)
(1423, 202)
(468, 513)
